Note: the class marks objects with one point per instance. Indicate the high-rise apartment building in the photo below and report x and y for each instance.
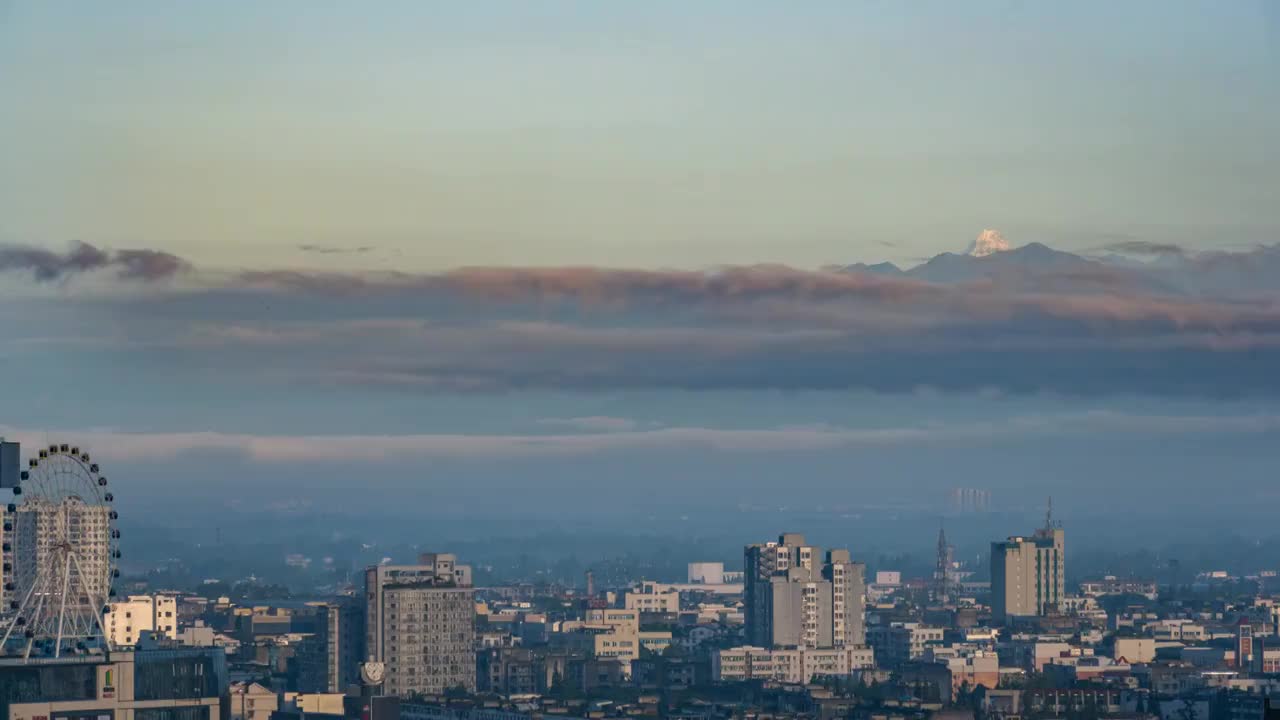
(329, 661)
(420, 622)
(794, 596)
(969, 500)
(10, 465)
(41, 527)
(1028, 574)
(848, 598)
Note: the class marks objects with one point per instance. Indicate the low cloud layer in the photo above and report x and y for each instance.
(335, 249)
(47, 265)
(1145, 247)
(304, 449)
(592, 423)
(1021, 321)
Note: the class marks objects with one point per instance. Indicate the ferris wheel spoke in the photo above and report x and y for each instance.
(33, 631)
(62, 602)
(97, 616)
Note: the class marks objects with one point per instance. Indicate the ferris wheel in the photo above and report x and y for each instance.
(61, 548)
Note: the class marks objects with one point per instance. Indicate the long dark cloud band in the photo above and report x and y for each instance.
(1031, 320)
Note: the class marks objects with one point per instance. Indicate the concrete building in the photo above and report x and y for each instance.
(652, 597)
(128, 618)
(787, 665)
(706, 573)
(796, 597)
(329, 660)
(523, 671)
(848, 598)
(970, 667)
(612, 634)
(1134, 650)
(183, 684)
(314, 703)
(420, 622)
(251, 701)
(902, 642)
(888, 577)
(1110, 585)
(197, 635)
(10, 474)
(39, 527)
(724, 588)
(1032, 654)
(969, 500)
(10, 464)
(1028, 575)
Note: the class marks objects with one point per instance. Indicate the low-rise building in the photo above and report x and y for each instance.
(794, 665)
(970, 667)
(170, 684)
(901, 642)
(1134, 650)
(127, 619)
(612, 634)
(652, 597)
(251, 701)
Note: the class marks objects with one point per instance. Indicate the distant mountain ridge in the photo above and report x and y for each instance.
(1036, 266)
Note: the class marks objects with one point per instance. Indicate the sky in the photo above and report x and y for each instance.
(499, 254)
(652, 134)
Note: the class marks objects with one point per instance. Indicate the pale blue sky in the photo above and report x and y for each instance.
(651, 134)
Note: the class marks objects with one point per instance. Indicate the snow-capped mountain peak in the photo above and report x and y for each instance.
(987, 243)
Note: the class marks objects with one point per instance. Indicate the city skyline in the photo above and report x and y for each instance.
(463, 361)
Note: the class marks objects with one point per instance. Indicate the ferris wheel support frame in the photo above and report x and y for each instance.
(50, 573)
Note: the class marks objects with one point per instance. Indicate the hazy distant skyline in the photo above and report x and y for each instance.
(651, 134)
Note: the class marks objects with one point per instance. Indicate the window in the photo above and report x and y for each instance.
(173, 677)
(198, 712)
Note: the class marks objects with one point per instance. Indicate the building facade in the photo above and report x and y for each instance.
(794, 596)
(187, 684)
(653, 597)
(902, 642)
(706, 573)
(790, 665)
(252, 701)
(420, 622)
(329, 661)
(129, 618)
(1028, 575)
(39, 527)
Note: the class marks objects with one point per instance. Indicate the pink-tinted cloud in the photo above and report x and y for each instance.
(1022, 320)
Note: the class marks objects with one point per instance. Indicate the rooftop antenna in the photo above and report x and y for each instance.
(1048, 515)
